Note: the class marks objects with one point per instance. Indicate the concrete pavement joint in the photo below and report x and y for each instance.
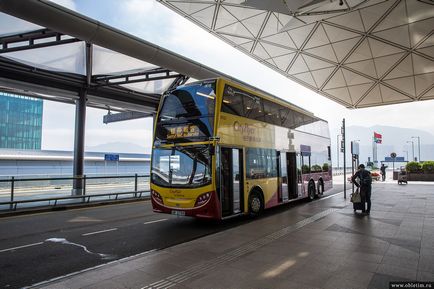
(203, 267)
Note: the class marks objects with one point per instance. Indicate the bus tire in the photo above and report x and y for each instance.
(320, 188)
(311, 191)
(256, 203)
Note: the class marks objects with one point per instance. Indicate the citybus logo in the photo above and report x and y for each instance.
(243, 128)
(247, 132)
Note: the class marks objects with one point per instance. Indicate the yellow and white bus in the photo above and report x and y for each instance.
(222, 149)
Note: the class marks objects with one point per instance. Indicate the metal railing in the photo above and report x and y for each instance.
(85, 198)
(340, 171)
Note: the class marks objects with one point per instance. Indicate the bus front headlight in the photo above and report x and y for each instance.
(202, 199)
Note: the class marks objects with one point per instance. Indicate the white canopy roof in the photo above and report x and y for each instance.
(359, 53)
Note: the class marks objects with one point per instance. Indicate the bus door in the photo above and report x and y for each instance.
(291, 164)
(231, 186)
(283, 175)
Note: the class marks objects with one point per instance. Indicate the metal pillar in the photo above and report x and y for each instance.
(418, 145)
(412, 149)
(78, 187)
(78, 163)
(344, 151)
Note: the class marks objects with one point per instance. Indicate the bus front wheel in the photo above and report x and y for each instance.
(255, 203)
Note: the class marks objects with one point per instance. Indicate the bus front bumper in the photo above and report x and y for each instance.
(210, 210)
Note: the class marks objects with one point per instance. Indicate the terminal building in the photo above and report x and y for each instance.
(20, 122)
(59, 163)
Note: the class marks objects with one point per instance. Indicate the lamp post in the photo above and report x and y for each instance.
(406, 153)
(418, 145)
(412, 147)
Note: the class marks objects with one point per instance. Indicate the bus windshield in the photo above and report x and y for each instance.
(184, 167)
(187, 114)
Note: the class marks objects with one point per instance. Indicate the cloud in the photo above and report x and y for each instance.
(138, 6)
(70, 4)
(57, 139)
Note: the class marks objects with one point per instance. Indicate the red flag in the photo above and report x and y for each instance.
(377, 137)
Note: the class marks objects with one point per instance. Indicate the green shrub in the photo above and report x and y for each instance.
(413, 167)
(316, 169)
(305, 169)
(428, 166)
(325, 167)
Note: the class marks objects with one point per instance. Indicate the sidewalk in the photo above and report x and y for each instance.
(321, 244)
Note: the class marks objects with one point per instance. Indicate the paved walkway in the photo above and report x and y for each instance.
(321, 244)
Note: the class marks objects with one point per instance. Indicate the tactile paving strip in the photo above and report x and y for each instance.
(203, 267)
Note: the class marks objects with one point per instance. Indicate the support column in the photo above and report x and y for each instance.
(78, 162)
(78, 187)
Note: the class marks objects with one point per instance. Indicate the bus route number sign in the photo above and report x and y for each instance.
(183, 131)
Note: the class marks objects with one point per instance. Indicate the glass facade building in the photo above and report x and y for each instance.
(20, 122)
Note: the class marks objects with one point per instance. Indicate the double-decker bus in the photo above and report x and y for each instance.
(222, 149)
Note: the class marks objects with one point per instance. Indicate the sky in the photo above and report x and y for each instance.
(155, 23)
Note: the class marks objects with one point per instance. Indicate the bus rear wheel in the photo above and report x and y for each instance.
(311, 191)
(255, 203)
(320, 188)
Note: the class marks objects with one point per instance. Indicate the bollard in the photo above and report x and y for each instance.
(12, 192)
(84, 185)
(135, 185)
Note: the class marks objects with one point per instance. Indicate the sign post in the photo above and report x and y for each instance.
(393, 156)
(354, 158)
(343, 150)
(112, 158)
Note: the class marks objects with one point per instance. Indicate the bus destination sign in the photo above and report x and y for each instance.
(184, 131)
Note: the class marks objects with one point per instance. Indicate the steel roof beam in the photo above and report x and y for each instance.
(71, 82)
(30, 40)
(149, 75)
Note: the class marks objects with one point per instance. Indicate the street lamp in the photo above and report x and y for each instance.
(418, 144)
(406, 153)
(412, 147)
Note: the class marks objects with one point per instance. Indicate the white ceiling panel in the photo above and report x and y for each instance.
(423, 82)
(321, 75)
(372, 97)
(384, 49)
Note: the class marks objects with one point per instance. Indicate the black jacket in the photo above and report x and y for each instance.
(365, 179)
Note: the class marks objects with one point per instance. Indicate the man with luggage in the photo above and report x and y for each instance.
(383, 172)
(364, 183)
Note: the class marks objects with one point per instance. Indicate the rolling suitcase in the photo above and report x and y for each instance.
(358, 201)
(359, 206)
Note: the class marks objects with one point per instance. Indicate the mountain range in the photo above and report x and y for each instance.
(394, 139)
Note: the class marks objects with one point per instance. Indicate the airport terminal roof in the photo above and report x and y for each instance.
(359, 53)
(362, 53)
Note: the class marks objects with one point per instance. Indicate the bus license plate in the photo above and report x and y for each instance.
(178, 213)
